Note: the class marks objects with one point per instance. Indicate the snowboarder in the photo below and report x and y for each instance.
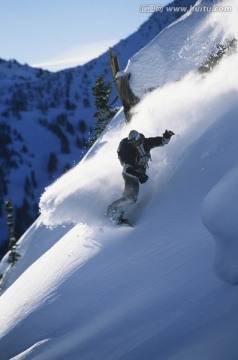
(134, 154)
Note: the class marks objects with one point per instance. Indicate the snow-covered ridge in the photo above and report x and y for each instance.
(106, 293)
(185, 47)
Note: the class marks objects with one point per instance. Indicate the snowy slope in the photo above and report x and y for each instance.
(55, 109)
(164, 289)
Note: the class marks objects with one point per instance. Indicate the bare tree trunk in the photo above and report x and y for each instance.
(125, 93)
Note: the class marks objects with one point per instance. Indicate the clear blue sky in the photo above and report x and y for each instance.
(56, 34)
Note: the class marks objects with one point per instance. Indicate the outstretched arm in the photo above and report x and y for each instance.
(160, 140)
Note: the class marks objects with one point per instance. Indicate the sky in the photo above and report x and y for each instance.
(58, 34)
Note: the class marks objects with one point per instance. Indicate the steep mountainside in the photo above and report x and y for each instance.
(167, 288)
(46, 119)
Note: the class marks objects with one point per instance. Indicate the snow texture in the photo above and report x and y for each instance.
(220, 214)
(167, 288)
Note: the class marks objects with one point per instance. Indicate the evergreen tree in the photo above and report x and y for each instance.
(12, 242)
(82, 126)
(52, 163)
(102, 92)
(229, 48)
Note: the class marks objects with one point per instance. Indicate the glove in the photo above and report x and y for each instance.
(167, 134)
(140, 176)
(143, 178)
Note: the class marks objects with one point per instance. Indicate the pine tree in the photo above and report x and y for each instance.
(52, 163)
(102, 92)
(229, 48)
(12, 242)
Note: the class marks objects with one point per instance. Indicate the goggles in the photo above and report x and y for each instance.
(135, 139)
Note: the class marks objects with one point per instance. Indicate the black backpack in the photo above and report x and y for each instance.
(121, 151)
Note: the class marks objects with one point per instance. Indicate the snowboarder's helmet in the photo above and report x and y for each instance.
(133, 136)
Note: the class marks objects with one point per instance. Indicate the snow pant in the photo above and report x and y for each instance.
(129, 197)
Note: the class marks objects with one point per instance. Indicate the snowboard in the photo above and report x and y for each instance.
(124, 222)
(121, 222)
(117, 219)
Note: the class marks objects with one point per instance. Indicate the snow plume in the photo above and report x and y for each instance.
(226, 21)
(183, 46)
(94, 288)
(187, 107)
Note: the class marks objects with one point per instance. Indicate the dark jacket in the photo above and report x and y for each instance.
(132, 155)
